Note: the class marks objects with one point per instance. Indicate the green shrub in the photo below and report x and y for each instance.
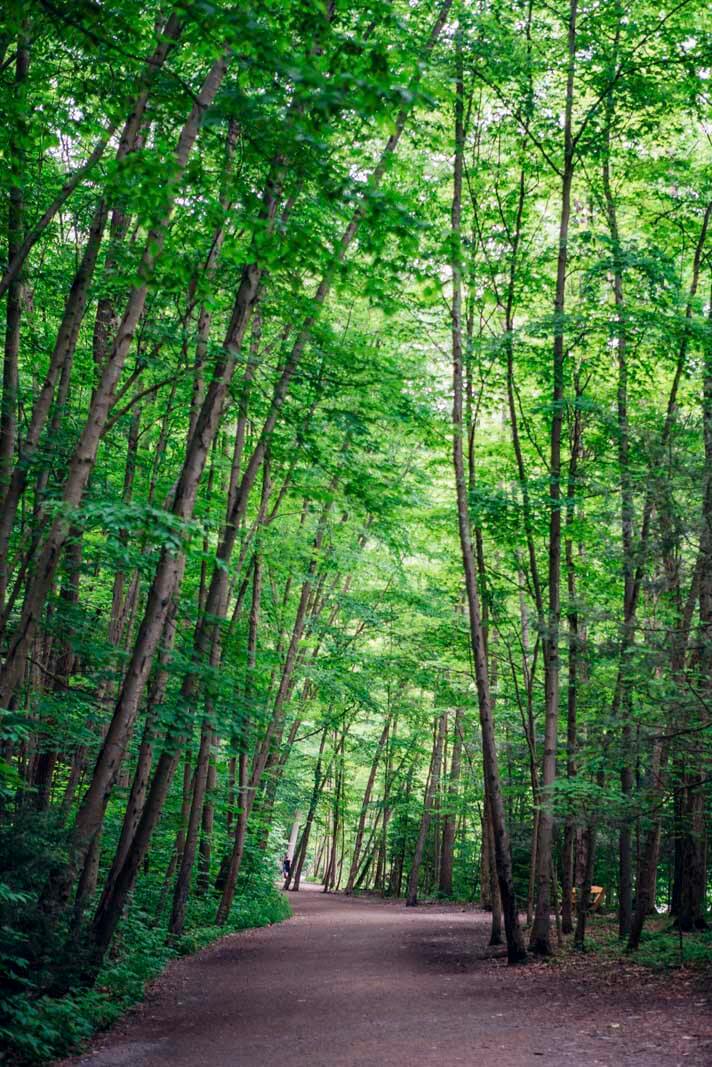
(37, 1028)
(665, 948)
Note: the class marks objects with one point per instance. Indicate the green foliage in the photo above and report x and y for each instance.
(351, 516)
(664, 949)
(36, 1026)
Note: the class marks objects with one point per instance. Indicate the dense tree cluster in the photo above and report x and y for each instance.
(355, 467)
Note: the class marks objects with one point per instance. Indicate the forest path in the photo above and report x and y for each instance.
(362, 982)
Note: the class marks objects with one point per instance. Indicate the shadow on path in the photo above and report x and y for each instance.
(354, 981)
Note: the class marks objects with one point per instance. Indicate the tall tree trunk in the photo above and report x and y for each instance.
(627, 517)
(583, 889)
(515, 945)
(450, 821)
(113, 904)
(243, 759)
(540, 940)
(297, 867)
(84, 456)
(184, 815)
(356, 857)
(13, 311)
(693, 830)
(574, 669)
(494, 894)
(142, 771)
(428, 803)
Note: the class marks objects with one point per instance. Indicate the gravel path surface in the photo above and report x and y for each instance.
(350, 982)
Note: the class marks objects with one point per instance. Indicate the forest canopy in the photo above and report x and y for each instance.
(356, 472)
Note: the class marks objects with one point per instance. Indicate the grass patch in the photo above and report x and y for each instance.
(662, 947)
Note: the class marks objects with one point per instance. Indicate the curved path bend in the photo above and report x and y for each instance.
(362, 983)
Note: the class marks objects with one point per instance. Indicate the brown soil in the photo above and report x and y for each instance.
(351, 982)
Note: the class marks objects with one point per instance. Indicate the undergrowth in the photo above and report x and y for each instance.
(662, 946)
(35, 1029)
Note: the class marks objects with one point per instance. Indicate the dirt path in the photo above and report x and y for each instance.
(361, 982)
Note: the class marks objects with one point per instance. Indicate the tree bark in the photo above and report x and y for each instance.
(495, 897)
(13, 311)
(84, 456)
(692, 836)
(540, 940)
(430, 793)
(112, 908)
(295, 873)
(574, 669)
(356, 857)
(515, 945)
(450, 821)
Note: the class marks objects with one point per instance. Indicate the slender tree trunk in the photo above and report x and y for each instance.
(692, 845)
(494, 894)
(13, 312)
(428, 803)
(356, 858)
(184, 815)
(623, 700)
(450, 821)
(207, 827)
(139, 787)
(574, 672)
(84, 456)
(243, 763)
(319, 779)
(135, 679)
(649, 848)
(540, 940)
(485, 862)
(185, 870)
(583, 889)
(515, 945)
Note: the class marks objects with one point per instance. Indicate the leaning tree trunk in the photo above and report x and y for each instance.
(84, 456)
(114, 903)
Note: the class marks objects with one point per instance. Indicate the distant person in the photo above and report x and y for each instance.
(286, 866)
